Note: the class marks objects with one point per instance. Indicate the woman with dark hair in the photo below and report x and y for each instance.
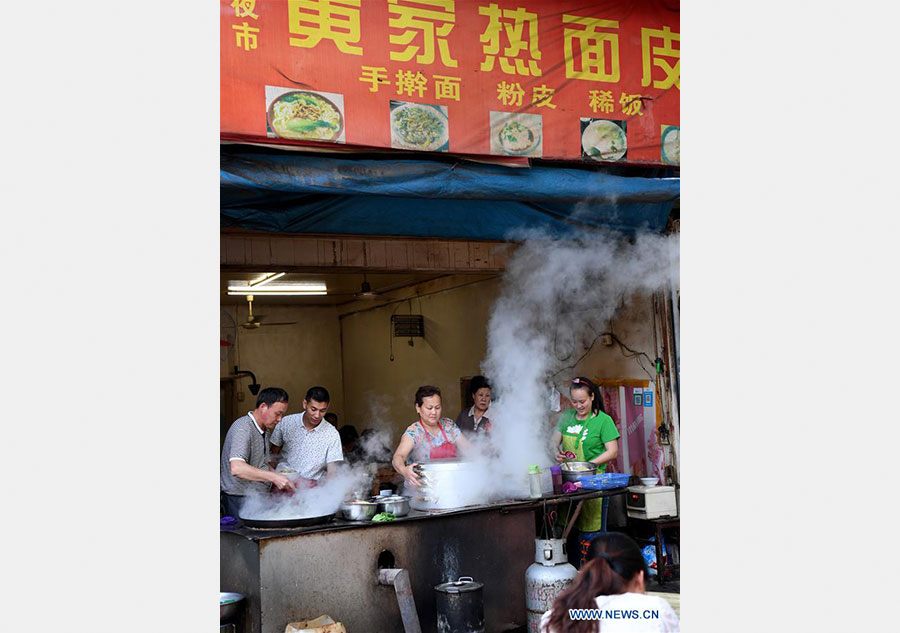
(611, 581)
(473, 421)
(591, 434)
(431, 437)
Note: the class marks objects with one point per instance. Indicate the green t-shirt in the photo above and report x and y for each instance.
(590, 436)
(587, 439)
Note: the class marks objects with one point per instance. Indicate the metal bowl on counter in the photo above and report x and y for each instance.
(229, 604)
(573, 471)
(398, 505)
(357, 510)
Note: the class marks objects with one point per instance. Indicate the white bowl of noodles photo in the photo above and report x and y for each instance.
(307, 116)
(603, 140)
(670, 147)
(518, 137)
(418, 127)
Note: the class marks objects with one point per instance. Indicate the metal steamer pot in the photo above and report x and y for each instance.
(460, 606)
(446, 484)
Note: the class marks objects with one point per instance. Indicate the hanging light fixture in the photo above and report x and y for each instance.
(365, 290)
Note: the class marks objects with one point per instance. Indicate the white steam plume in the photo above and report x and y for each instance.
(309, 502)
(555, 292)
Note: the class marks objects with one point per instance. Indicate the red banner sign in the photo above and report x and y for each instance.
(587, 81)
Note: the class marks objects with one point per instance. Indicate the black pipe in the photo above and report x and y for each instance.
(254, 386)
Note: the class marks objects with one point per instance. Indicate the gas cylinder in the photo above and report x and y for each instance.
(545, 579)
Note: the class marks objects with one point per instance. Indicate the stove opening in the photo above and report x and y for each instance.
(386, 559)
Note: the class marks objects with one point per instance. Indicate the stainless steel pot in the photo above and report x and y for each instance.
(447, 484)
(358, 510)
(229, 605)
(573, 471)
(398, 505)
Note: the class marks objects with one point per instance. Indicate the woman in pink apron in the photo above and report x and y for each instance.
(429, 438)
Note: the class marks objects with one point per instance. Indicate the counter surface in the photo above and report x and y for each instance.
(512, 505)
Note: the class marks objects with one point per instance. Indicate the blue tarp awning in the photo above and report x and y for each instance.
(296, 193)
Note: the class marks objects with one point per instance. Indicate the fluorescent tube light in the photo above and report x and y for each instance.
(271, 293)
(301, 287)
(266, 279)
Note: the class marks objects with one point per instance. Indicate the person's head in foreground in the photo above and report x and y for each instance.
(614, 565)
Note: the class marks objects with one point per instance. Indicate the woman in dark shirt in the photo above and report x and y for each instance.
(472, 421)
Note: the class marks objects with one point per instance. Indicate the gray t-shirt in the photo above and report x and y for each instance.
(244, 441)
(307, 452)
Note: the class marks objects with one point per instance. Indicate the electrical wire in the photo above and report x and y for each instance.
(237, 334)
(633, 354)
(391, 331)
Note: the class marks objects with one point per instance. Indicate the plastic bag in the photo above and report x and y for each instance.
(649, 552)
(321, 624)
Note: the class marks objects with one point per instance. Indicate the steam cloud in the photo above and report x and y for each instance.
(556, 294)
(312, 502)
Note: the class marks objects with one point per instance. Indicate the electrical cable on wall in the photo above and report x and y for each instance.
(391, 331)
(237, 334)
(559, 358)
(633, 354)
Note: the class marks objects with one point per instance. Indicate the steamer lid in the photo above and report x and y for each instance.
(463, 584)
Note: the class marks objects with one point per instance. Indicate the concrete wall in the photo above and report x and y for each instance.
(380, 391)
(350, 355)
(433, 549)
(294, 357)
(633, 325)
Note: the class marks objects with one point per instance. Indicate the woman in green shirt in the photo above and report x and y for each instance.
(592, 435)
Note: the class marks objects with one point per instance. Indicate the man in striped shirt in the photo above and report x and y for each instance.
(245, 455)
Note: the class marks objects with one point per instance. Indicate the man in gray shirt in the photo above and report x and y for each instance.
(245, 455)
(306, 442)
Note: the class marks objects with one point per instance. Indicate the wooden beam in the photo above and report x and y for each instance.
(254, 251)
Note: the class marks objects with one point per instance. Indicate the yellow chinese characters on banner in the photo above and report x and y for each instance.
(602, 101)
(659, 56)
(245, 35)
(411, 83)
(312, 21)
(510, 94)
(564, 80)
(408, 82)
(375, 76)
(508, 26)
(446, 87)
(591, 53)
(541, 96)
(420, 26)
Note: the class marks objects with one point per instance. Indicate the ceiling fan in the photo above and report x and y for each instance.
(253, 322)
(365, 290)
